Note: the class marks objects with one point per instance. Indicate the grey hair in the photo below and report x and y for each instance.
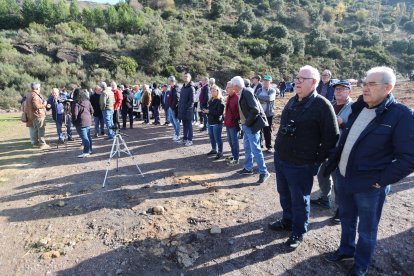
(103, 85)
(212, 81)
(247, 82)
(35, 85)
(171, 78)
(388, 75)
(238, 81)
(314, 73)
(327, 71)
(205, 79)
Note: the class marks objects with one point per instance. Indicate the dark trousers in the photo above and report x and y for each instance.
(267, 133)
(187, 130)
(129, 112)
(145, 113)
(200, 115)
(156, 113)
(294, 185)
(367, 207)
(116, 119)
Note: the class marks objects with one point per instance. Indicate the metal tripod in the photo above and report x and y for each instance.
(119, 146)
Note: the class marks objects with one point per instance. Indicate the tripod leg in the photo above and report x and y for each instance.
(130, 154)
(109, 161)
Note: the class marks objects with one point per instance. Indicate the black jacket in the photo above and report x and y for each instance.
(127, 99)
(316, 130)
(252, 110)
(156, 97)
(174, 99)
(215, 112)
(97, 112)
(186, 103)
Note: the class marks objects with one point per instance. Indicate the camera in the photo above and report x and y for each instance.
(61, 100)
(289, 129)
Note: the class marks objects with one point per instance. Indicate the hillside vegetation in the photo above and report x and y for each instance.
(58, 43)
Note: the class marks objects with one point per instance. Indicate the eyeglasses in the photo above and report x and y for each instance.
(372, 84)
(301, 79)
(325, 75)
(342, 89)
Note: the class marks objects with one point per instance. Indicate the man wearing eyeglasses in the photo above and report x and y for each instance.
(342, 107)
(308, 131)
(376, 149)
(325, 86)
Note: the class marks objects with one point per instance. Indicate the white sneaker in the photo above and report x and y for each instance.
(188, 143)
(169, 124)
(176, 138)
(83, 155)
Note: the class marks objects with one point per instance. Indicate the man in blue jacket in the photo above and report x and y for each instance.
(325, 86)
(376, 149)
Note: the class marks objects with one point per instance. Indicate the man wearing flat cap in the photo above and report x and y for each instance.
(342, 108)
(267, 96)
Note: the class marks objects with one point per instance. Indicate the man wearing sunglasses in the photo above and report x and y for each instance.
(376, 149)
(308, 131)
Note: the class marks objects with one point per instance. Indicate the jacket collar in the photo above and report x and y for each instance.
(381, 108)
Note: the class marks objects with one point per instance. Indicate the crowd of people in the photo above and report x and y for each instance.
(356, 149)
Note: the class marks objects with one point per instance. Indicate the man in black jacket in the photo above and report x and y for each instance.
(253, 119)
(97, 112)
(308, 131)
(155, 103)
(203, 101)
(173, 110)
(185, 109)
(127, 108)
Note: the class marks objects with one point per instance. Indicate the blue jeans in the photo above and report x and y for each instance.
(85, 135)
(99, 125)
(215, 137)
(108, 118)
(167, 115)
(233, 138)
(367, 207)
(59, 123)
(174, 121)
(252, 148)
(294, 185)
(187, 130)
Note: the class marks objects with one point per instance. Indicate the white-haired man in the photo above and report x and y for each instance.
(253, 119)
(38, 113)
(376, 149)
(308, 131)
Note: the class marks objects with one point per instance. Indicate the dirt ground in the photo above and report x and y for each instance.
(56, 219)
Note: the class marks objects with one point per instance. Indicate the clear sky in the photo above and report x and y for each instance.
(104, 1)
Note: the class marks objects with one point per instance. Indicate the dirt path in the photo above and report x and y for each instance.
(56, 219)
